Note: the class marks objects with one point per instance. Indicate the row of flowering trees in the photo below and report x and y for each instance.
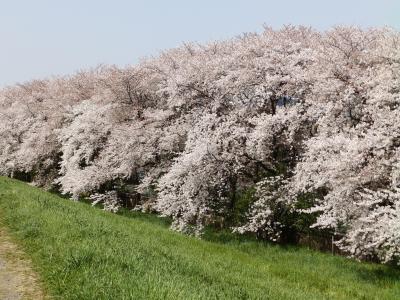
(275, 133)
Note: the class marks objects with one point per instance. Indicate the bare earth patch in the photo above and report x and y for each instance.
(17, 279)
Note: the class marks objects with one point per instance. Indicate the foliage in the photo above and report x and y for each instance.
(295, 109)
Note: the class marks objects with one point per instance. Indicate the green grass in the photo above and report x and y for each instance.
(82, 252)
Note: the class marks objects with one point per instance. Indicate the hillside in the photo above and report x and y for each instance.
(82, 252)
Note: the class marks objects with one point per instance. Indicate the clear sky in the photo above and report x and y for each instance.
(40, 38)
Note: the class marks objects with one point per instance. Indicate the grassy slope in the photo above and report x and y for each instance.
(82, 252)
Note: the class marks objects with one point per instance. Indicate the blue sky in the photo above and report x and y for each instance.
(40, 38)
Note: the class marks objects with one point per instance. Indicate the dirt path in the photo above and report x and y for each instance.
(17, 280)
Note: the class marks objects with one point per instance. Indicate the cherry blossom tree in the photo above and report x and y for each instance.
(305, 124)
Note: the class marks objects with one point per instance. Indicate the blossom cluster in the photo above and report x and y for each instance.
(253, 133)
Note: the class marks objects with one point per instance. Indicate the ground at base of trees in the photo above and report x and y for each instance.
(82, 252)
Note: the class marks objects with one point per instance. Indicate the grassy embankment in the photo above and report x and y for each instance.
(82, 252)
